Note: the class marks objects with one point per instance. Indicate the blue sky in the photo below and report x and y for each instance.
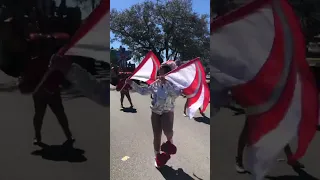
(199, 6)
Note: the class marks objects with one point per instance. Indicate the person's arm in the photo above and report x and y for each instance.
(95, 90)
(140, 89)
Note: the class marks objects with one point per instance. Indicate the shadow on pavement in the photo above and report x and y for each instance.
(171, 174)
(203, 119)
(60, 153)
(129, 110)
(302, 175)
(237, 111)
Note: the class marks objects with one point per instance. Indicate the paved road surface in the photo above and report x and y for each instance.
(225, 129)
(131, 135)
(89, 123)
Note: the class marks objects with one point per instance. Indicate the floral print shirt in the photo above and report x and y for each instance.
(164, 95)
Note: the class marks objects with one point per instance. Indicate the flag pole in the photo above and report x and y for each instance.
(125, 83)
(123, 86)
(44, 78)
(46, 75)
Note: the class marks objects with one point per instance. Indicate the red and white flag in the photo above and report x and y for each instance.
(191, 79)
(93, 37)
(147, 69)
(258, 52)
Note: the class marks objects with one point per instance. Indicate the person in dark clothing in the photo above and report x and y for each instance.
(124, 90)
(26, 50)
(52, 98)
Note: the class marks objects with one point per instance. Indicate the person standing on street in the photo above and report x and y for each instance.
(162, 113)
(124, 89)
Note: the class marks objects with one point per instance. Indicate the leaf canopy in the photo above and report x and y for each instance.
(171, 29)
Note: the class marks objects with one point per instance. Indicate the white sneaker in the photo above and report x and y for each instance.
(155, 164)
(239, 166)
(240, 169)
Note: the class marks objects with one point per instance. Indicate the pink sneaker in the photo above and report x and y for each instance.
(161, 159)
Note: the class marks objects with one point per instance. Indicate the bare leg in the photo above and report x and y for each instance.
(40, 106)
(242, 142)
(129, 98)
(167, 120)
(121, 99)
(287, 151)
(57, 108)
(157, 131)
(185, 107)
(202, 114)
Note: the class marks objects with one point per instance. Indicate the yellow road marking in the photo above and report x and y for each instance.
(125, 158)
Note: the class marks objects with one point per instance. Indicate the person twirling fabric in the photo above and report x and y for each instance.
(162, 105)
(162, 113)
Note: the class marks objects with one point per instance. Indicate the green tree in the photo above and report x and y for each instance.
(168, 28)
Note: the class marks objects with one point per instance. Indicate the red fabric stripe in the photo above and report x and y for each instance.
(259, 89)
(206, 99)
(195, 98)
(156, 65)
(195, 83)
(310, 103)
(260, 125)
(206, 88)
(144, 61)
(203, 87)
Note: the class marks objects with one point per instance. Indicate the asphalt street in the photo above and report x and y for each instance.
(131, 143)
(225, 130)
(21, 160)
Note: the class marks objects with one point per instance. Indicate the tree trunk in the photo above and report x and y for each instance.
(158, 54)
